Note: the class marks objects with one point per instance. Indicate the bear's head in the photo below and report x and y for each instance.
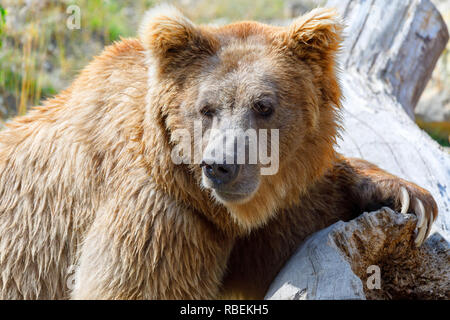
(249, 110)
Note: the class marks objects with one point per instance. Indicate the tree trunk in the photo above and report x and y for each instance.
(396, 43)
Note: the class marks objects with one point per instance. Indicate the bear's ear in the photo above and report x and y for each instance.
(317, 37)
(319, 31)
(172, 38)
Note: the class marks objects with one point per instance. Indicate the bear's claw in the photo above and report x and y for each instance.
(424, 220)
(404, 198)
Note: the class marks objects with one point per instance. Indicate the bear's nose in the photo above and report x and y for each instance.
(220, 174)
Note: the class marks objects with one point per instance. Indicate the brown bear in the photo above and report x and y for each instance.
(90, 191)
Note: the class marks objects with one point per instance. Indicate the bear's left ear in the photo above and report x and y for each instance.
(317, 37)
(319, 31)
(172, 38)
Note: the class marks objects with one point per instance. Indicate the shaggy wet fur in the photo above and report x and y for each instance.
(87, 180)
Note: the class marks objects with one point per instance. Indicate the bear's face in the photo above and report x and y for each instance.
(256, 103)
(251, 100)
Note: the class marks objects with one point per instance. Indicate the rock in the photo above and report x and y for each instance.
(343, 261)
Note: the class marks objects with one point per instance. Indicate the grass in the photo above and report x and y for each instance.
(2, 22)
(40, 55)
(439, 131)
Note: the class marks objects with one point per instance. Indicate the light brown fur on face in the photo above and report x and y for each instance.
(87, 182)
(241, 62)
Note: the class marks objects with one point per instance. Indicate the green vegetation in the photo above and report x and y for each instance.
(439, 131)
(41, 55)
(2, 22)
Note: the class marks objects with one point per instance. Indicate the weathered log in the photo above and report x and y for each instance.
(342, 262)
(389, 54)
(396, 43)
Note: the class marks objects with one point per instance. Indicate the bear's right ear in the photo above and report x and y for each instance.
(172, 38)
(319, 31)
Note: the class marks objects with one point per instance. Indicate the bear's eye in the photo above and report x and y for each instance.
(263, 108)
(207, 111)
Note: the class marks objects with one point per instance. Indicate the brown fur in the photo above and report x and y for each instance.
(87, 178)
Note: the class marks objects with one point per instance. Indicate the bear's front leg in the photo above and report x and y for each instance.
(374, 187)
(146, 246)
(349, 187)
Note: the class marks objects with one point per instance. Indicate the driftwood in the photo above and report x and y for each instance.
(342, 262)
(386, 61)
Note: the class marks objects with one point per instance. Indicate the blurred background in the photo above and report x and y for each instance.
(40, 55)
